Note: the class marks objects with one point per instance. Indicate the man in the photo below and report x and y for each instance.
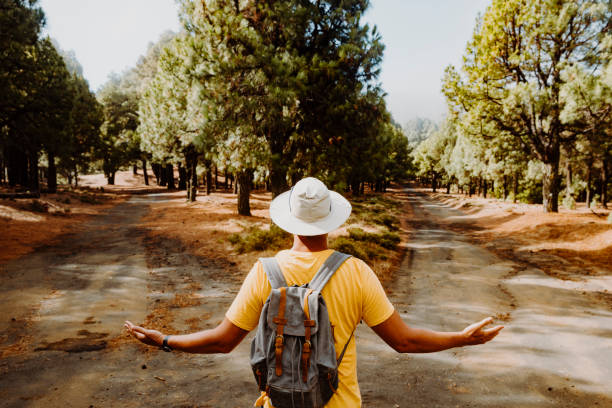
(310, 211)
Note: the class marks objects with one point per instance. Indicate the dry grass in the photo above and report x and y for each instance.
(211, 228)
(579, 235)
(29, 223)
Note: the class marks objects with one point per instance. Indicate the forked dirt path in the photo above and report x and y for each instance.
(61, 340)
(554, 352)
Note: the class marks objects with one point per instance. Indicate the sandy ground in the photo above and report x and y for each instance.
(62, 342)
(27, 224)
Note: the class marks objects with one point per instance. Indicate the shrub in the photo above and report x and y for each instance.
(256, 239)
(388, 221)
(569, 202)
(387, 240)
(38, 206)
(87, 199)
(351, 247)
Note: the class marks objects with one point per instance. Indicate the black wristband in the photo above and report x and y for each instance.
(165, 345)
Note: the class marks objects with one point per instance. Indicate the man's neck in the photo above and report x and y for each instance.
(314, 243)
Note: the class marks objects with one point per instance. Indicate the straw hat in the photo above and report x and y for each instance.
(309, 208)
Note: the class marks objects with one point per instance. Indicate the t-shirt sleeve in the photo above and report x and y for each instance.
(246, 307)
(376, 307)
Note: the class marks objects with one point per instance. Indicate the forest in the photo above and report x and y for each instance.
(530, 110)
(263, 93)
(267, 92)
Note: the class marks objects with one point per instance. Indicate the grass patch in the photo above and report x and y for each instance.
(367, 245)
(376, 209)
(89, 199)
(257, 239)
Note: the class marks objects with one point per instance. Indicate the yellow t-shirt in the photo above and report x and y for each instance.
(353, 294)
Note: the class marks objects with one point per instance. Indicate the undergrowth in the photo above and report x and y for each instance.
(367, 245)
(376, 211)
(255, 238)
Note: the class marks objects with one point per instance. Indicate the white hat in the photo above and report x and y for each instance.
(309, 208)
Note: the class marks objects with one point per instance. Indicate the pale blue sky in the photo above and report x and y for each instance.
(421, 36)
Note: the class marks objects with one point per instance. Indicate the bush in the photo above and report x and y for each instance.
(87, 199)
(610, 218)
(595, 201)
(351, 247)
(38, 206)
(569, 202)
(389, 221)
(387, 240)
(256, 239)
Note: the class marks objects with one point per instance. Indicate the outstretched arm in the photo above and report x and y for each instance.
(405, 339)
(222, 339)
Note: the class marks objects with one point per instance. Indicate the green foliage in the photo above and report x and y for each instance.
(366, 245)
(255, 238)
(569, 202)
(386, 240)
(515, 94)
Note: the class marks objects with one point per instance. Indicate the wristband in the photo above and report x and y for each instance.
(165, 345)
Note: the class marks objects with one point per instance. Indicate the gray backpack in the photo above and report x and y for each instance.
(293, 355)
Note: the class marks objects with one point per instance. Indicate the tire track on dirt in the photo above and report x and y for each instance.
(450, 283)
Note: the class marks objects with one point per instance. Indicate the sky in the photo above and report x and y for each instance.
(421, 38)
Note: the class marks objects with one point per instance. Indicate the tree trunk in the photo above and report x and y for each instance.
(163, 175)
(355, 187)
(588, 185)
(144, 171)
(170, 176)
(604, 183)
(110, 178)
(157, 172)
(515, 187)
(225, 178)
(182, 184)
(484, 188)
(209, 179)
(216, 179)
(52, 177)
(33, 172)
(135, 168)
(191, 163)
(76, 176)
(278, 181)
(550, 187)
(434, 181)
(448, 187)
(243, 183)
(505, 187)
(235, 182)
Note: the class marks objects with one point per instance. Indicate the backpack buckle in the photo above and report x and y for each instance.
(279, 340)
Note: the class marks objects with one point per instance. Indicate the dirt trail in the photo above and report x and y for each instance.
(63, 307)
(61, 338)
(554, 351)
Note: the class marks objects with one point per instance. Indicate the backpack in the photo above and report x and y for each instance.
(293, 356)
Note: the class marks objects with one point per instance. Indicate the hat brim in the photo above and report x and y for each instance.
(281, 216)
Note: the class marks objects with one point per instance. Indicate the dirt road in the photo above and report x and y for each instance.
(63, 308)
(556, 349)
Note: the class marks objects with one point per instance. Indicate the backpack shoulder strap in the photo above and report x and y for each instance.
(327, 270)
(274, 273)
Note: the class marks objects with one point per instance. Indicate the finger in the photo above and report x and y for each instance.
(493, 331)
(478, 326)
(475, 327)
(141, 330)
